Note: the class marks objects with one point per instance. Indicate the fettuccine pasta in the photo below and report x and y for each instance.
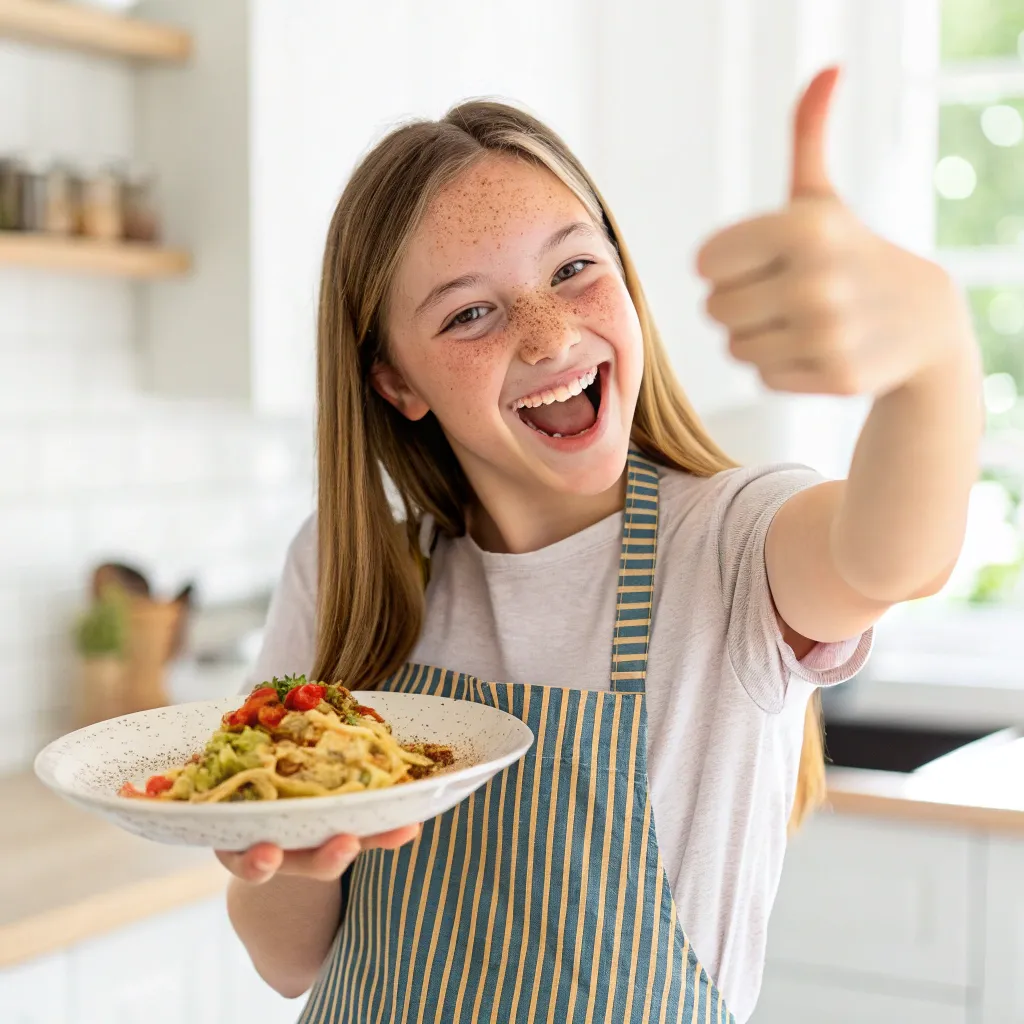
(293, 738)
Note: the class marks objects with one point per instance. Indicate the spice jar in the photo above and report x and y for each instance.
(60, 213)
(102, 206)
(141, 223)
(77, 188)
(33, 196)
(10, 195)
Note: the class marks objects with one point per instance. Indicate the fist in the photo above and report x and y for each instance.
(815, 301)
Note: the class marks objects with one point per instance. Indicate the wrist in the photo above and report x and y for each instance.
(953, 362)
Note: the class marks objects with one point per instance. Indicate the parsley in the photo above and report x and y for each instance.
(284, 685)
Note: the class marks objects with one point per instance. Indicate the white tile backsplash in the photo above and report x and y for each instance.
(15, 111)
(92, 467)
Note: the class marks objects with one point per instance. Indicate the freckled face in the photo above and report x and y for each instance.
(509, 293)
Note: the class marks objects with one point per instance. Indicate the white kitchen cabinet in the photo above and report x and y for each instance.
(1004, 933)
(183, 967)
(200, 127)
(880, 898)
(36, 992)
(246, 997)
(166, 970)
(786, 1000)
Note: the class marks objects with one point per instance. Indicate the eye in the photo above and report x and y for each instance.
(570, 270)
(467, 316)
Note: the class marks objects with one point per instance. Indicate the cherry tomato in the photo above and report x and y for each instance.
(248, 713)
(236, 719)
(129, 790)
(270, 715)
(264, 695)
(362, 709)
(305, 697)
(158, 784)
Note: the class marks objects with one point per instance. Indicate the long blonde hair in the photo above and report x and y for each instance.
(370, 603)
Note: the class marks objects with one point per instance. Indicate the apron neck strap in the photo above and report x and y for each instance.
(635, 596)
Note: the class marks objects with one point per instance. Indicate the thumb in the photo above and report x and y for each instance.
(810, 176)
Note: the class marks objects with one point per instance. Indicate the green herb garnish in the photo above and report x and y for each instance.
(284, 685)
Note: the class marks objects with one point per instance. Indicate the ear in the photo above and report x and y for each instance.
(392, 387)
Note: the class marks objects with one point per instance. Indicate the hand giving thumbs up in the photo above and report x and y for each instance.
(815, 300)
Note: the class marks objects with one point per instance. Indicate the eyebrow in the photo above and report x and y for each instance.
(436, 294)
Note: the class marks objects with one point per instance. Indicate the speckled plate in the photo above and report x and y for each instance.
(88, 767)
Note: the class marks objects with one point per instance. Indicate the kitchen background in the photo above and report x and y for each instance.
(156, 409)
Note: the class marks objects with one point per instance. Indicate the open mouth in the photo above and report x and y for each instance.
(568, 411)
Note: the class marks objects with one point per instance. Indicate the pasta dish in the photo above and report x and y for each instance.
(293, 738)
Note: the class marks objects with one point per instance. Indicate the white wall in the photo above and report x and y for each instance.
(90, 465)
(331, 80)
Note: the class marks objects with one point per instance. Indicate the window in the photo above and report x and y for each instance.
(978, 184)
(962, 150)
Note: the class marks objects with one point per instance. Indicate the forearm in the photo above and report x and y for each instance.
(900, 524)
(287, 925)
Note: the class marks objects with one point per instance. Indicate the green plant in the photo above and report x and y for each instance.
(998, 581)
(102, 630)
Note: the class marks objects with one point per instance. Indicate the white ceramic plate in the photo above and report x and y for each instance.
(88, 767)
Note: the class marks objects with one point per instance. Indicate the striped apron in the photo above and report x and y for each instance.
(542, 897)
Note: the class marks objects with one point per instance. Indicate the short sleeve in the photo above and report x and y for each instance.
(760, 657)
(289, 637)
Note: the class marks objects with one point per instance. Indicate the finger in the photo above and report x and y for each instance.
(255, 865)
(754, 307)
(810, 172)
(767, 350)
(815, 305)
(743, 252)
(794, 381)
(827, 377)
(325, 863)
(803, 346)
(809, 235)
(391, 840)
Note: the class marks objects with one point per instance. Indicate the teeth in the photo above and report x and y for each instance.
(559, 394)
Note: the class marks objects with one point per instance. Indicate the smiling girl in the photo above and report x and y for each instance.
(576, 551)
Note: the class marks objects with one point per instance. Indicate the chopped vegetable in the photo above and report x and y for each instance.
(248, 713)
(270, 715)
(282, 686)
(294, 738)
(362, 709)
(305, 697)
(158, 784)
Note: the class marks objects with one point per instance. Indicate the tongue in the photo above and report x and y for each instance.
(570, 417)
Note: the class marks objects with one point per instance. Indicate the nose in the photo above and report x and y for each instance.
(543, 328)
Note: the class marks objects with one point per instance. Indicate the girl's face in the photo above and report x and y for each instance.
(511, 322)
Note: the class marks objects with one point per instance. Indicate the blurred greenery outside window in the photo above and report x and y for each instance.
(978, 185)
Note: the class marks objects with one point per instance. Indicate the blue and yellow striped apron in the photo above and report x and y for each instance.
(543, 896)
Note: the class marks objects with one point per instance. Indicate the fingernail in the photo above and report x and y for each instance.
(263, 863)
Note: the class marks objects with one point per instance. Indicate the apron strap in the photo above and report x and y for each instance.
(635, 597)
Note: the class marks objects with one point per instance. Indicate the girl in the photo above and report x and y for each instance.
(577, 551)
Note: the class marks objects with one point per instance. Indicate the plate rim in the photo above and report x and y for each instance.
(408, 790)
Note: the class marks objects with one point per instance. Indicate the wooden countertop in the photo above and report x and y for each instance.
(66, 875)
(978, 787)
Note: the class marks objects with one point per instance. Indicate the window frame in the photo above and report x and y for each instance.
(972, 639)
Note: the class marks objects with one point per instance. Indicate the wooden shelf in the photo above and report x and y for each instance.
(84, 256)
(63, 24)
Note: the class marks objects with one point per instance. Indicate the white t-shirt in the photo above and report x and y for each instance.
(726, 695)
